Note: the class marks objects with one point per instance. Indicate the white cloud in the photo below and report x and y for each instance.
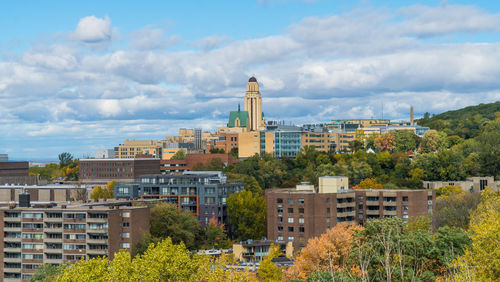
(149, 38)
(92, 29)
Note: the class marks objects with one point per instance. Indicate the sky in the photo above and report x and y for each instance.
(77, 76)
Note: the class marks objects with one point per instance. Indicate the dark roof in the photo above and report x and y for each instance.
(252, 79)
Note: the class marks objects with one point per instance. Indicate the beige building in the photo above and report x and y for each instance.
(51, 234)
(248, 144)
(319, 140)
(253, 105)
(131, 148)
(471, 184)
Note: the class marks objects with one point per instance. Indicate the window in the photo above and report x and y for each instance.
(280, 210)
(126, 235)
(301, 220)
(279, 201)
(125, 245)
(290, 238)
(290, 228)
(429, 207)
(280, 238)
(280, 228)
(301, 201)
(280, 219)
(405, 216)
(125, 214)
(209, 200)
(290, 220)
(301, 229)
(125, 224)
(32, 256)
(429, 198)
(301, 210)
(32, 215)
(405, 198)
(123, 190)
(327, 210)
(327, 200)
(74, 236)
(290, 201)
(405, 207)
(290, 210)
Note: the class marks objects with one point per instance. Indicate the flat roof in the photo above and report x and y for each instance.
(122, 159)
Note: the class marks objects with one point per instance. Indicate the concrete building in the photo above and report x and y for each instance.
(197, 139)
(202, 193)
(471, 184)
(105, 154)
(42, 193)
(169, 149)
(248, 144)
(61, 234)
(100, 171)
(131, 148)
(300, 214)
(252, 251)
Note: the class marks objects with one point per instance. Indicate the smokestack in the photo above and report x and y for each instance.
(411, 115)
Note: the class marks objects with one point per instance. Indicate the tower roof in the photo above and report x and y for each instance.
(252, 79)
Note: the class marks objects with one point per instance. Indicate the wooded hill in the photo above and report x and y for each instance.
(466, 122)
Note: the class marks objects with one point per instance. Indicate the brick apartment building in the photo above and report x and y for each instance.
(97, 171)
(64, 234)
(295, 214)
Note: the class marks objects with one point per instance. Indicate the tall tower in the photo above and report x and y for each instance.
(253, 105)
(411, 115)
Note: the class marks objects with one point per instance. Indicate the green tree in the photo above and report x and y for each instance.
(215, 235)
(65, 159)
(217, 151)
(454, 210)
(179, 155)
(247, 214)
(47, 272)
(489, 149)
(385, 142)
(181, 226)
(268, 271)
(431, 141)
(406, 140)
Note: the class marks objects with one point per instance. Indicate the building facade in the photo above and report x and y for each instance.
(252, 251)
(253, 105)
(103, 170)
(65, 234)
(202, 193)
(298, 215)
(471, 184)
(42, 193)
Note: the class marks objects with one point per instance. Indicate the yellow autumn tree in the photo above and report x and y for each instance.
(328, 252)
(369, 183)
(268, 271)
(482, 261)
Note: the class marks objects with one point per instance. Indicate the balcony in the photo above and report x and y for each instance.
(12, 250)
(372, 203)
(7, 259)
(12, 239)
(53, 261)
(373, 212)
(53, 219)
(52, 240)
(15, 229)
(390, 213)
(97, 252)
(97, 220)
(391, 203)
(101, 230)
(12, 219)
(53, 229)
(97, 241)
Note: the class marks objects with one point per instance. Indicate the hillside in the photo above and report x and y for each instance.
(466, 122)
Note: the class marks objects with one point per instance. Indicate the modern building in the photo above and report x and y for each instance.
(169, 149)
(471, 184)
(57, 234)
(281, 140)
(300, 214)
(252, 251)
(100, 171)
(198, 144)
(202, 193)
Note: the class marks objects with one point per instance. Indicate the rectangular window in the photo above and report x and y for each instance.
(290, 228)
(280, 238)
(327, 200)
(301, 220)
(280, 228)
(301, 201)
(126, 235)
(290, 238)
(301, 210)
(327, 210)
(125, 245)
(405, 207)
(125, 214)
(405, 216)
(302, 229)
(405, 198)
(290, 210)
(280, 210)
(290, 220)
(429, 198)
(125, 224)
(280, 219)
(279, 201)
(290, 201)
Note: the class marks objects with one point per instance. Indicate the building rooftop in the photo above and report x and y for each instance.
(135, 159)
(81, 206)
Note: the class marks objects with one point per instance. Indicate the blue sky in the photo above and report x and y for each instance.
(78, 76)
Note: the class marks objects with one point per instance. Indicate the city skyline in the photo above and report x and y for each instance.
(86, 77)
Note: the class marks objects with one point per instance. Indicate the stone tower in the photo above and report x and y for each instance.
(253, 105)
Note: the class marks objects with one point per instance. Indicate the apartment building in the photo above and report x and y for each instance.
(203, 193)
(252, 251)
(300, 214)
(64, 234)
(100, 171)
(42, 193)
(131, 148)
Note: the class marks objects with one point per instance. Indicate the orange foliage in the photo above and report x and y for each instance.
(325, 253)
(370, 183)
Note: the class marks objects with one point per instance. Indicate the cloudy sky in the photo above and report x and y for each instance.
(83, 76)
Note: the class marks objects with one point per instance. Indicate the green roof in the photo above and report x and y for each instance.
(242, 115)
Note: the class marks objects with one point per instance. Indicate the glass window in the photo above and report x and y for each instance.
(301, 220)
(328, 210)
(405, 198)
(280, 238)
(290, 201)
(302, 229)
(280, 228)
(301, 210)
(125, 214)
(301, 201)
(125, 245)
(125, 224)
(280, 219)
(290, 238)
(126, 235)
(290, 210)
(279, 201)
(290, 220)
(280, 210)
(290, 228)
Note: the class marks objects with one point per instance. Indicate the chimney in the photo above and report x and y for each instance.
(411, 115)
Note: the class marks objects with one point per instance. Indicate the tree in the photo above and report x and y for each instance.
(215, 235)
(406, 140)
(454, 210)
(448, 190)
(431, 141)
(268, 271)
(234, 152)
(163, 261)
(179, 155)
(47, 272)
(489, 149)
(385, 142)
(217, 151)
(65, 159)
(369, 183)
(104, 193)
(329, 252)
(356, 145)
(181, 226)
(250, 182)
(484, 255)
(247, 214)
